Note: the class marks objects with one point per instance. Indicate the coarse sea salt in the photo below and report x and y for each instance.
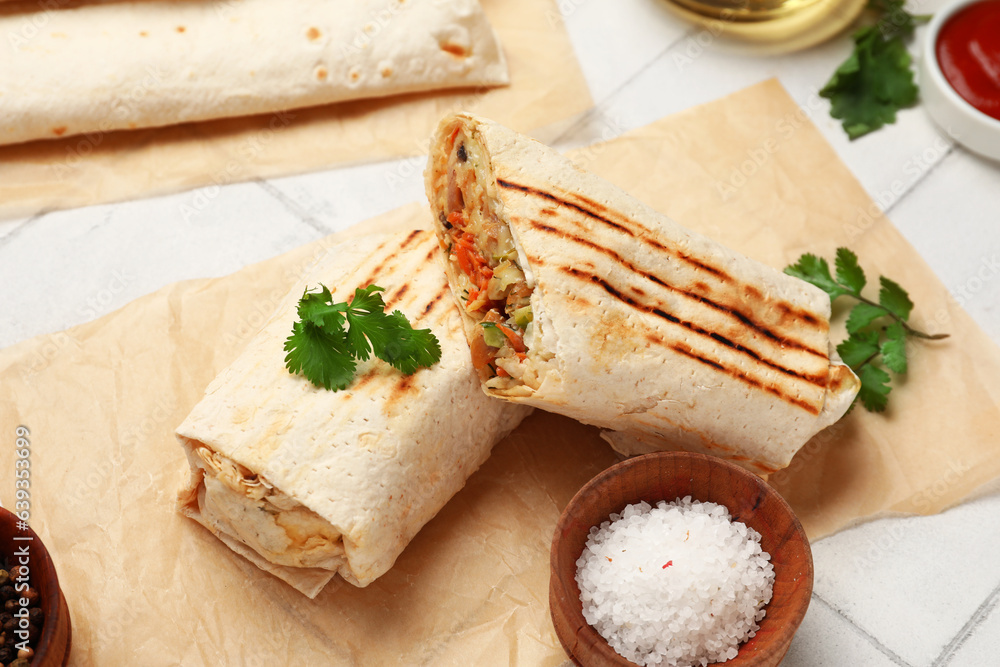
(675, 585)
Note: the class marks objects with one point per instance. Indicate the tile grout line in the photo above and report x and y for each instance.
(921, 179)
(977, 618)
(10, 236)
(882, 648)
(289, 204)
(597, 108)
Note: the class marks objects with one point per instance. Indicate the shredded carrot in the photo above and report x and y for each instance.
(502, 373)
(464, 260)
(521, 356)
(454, 133)
(457, 218)
(516, 341)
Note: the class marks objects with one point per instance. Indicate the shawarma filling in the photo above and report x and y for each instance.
(486, 266)
(242, 504)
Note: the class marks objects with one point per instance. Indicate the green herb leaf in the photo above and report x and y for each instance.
(894, 299)
(875, 80)
(894, 348)
(867, 343)
(862, 315)
(895, 19)
(859, 348)
(316, 308)
(816, 271)
(874, 393)
(321, 349)
(849, 273)
(319, 355)
(406, 349)
(872, 84)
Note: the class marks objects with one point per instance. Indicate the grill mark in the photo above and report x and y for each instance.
(746, 321)
(433, 302)
(365, 379)
(409, 239)
(395, 298)
(690, 259)
(736, 373)
(562, 202)
(703, 332)
(396, 252)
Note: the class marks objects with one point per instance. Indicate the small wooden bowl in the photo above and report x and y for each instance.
(667, 476)
(53, 647)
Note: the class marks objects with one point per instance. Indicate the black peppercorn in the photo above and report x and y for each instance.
(4, 577)
(6, 655)
(11, 605)
(32, 595)
(6, 593)
(10, 626)
(36, 615)
(4, 617)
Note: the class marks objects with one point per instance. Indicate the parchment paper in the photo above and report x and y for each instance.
(105, 167)
(147, 586)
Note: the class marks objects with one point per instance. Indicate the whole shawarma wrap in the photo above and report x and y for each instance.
(308, 483)
(100, 67)
(579, 299)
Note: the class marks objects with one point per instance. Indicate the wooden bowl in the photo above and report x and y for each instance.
(53, 647)
(667, 476)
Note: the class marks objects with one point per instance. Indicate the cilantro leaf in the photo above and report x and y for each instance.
(316, 308)
(894, 299)
(816, 271)
(862, 315)
(321, 356)
(411, 349)
(872, 84)
(321, 349)
(849, 272)
(894, 348)
(895, 19)
(874, 393)
(859, 348)
(867, 342)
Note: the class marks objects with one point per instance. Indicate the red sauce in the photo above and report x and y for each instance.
(968, 50)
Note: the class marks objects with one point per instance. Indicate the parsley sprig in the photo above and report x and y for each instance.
(876, 80)
(330, 338)
(877, 331)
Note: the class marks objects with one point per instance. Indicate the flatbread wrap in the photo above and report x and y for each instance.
(308, 483)
(579, 299)
(100, 67)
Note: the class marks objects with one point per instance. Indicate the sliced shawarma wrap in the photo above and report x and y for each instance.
(308, 483)
(579, 299)
(100, 67)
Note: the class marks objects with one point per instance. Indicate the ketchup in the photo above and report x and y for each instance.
(968, 50)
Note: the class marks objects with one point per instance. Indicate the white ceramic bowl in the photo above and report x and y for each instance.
(959, 119)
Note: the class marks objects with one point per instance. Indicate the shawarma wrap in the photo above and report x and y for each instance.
(308, 483)
(581, 300)
(108, 66)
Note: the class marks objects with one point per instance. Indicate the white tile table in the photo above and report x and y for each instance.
(910, 592)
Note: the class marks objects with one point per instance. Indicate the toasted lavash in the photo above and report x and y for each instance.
(100, 67)
(308, 483)
(642, 327)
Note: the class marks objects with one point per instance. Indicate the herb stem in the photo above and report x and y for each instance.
(910, 330)
(867, 361)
